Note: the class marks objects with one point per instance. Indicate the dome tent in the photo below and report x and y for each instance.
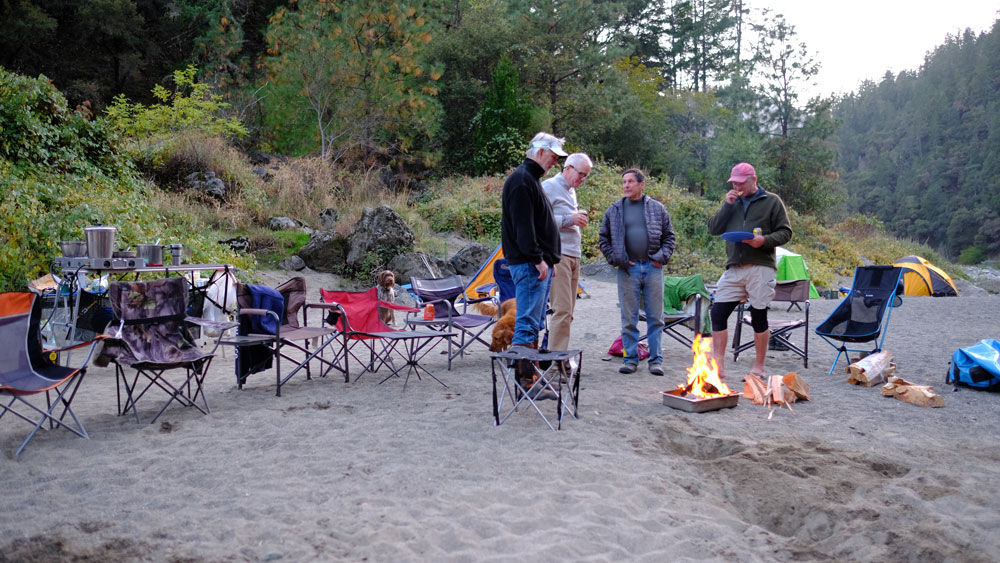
(920, 277)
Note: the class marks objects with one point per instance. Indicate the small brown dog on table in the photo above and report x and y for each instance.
(503, 331)
(385, 281)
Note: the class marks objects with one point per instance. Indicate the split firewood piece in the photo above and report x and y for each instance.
(798, 385)
(774, 388)
(920, 395)
(754, 389)
(870, 370)
(788, 395)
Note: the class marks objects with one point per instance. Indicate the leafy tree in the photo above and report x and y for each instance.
(191, 108)
(502, 123)
(799, 149)
(358, 69)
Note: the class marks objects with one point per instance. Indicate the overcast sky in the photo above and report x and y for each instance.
(856, 40)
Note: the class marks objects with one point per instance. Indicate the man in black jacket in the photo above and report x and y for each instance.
(530, 239)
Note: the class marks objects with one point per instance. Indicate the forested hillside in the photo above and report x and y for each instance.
(395, 101)
(433, 87)
(921, 150)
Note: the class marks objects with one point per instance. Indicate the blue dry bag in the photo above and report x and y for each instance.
(977, 366)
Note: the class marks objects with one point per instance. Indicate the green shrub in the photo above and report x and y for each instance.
(972, 255)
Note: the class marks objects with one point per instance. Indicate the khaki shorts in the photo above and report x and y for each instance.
(751, 283)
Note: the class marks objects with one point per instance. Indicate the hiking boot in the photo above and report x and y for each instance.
(628, 368)
(655, 369)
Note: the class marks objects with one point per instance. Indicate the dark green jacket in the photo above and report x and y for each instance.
(765, 210)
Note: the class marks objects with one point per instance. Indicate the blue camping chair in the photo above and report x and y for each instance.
(859, 317)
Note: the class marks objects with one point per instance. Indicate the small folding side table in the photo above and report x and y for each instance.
(558, 379)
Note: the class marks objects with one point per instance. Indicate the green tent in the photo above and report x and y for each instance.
(792, 267)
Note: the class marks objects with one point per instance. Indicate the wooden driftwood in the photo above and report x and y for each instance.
(871, 370)
(920, 395)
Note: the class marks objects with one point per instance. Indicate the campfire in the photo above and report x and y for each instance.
(703, 375)
(704, 391)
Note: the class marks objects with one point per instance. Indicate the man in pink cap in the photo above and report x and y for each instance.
(750, 263)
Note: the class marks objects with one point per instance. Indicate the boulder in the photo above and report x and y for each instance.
(468, 260)
(206, 183)
(418, 265)
(380, 232)
(326, 251)
(328, 218)
(292, 263)
(283, 224)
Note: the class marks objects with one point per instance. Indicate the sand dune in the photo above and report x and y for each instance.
(362, 471)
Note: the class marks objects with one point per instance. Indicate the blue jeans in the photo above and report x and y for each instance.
(530, 294)
(645, 280)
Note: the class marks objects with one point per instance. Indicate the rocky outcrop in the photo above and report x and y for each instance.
(379, 235)
(419, 265)
(207, 183)
(326, 251)
(468, 260)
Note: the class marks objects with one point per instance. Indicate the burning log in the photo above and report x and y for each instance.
(703, 375)
(704, 390)
(871, 370)
(920, 395)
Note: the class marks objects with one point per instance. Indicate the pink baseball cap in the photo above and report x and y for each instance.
(741, 172)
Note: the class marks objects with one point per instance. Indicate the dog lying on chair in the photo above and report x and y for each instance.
(503, 331)
(385, 281)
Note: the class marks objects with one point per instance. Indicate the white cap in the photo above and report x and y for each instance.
(551, 143)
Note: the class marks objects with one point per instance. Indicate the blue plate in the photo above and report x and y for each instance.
(737, 236)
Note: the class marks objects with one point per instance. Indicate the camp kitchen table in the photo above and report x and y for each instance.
(68, 295)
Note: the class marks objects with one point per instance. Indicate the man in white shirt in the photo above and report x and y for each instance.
(561, 193)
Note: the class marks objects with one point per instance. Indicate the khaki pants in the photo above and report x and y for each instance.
(562, 295)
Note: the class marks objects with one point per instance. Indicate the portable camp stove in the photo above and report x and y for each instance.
(92, 264)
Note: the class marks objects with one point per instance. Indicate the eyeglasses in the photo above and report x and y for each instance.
(581, 174)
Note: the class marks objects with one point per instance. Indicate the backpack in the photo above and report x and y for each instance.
(617, 347)
(977, 366)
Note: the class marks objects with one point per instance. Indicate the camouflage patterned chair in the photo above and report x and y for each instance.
(150, 335)
(27, 369)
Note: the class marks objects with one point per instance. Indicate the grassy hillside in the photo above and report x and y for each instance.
(62, 170)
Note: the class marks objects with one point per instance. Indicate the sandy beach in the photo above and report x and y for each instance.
(363, 471)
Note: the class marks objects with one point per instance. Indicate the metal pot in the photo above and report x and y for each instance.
(100, 241)
(152, 253)
(73, 248)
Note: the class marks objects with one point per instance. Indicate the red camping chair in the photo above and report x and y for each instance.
(27, 369)
(361, 325)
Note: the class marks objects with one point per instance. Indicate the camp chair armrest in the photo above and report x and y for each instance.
(258, 312)
(397, 307)
(480, 299)
(220, 325)
(77, 345)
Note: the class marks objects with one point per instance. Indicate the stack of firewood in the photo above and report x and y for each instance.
(777, 390)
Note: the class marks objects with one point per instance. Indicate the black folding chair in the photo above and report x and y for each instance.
(859, 316)
(781, 328)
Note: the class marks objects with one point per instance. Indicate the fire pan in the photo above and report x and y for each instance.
(692, 403)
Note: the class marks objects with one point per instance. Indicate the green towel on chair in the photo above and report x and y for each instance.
(676, 292)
